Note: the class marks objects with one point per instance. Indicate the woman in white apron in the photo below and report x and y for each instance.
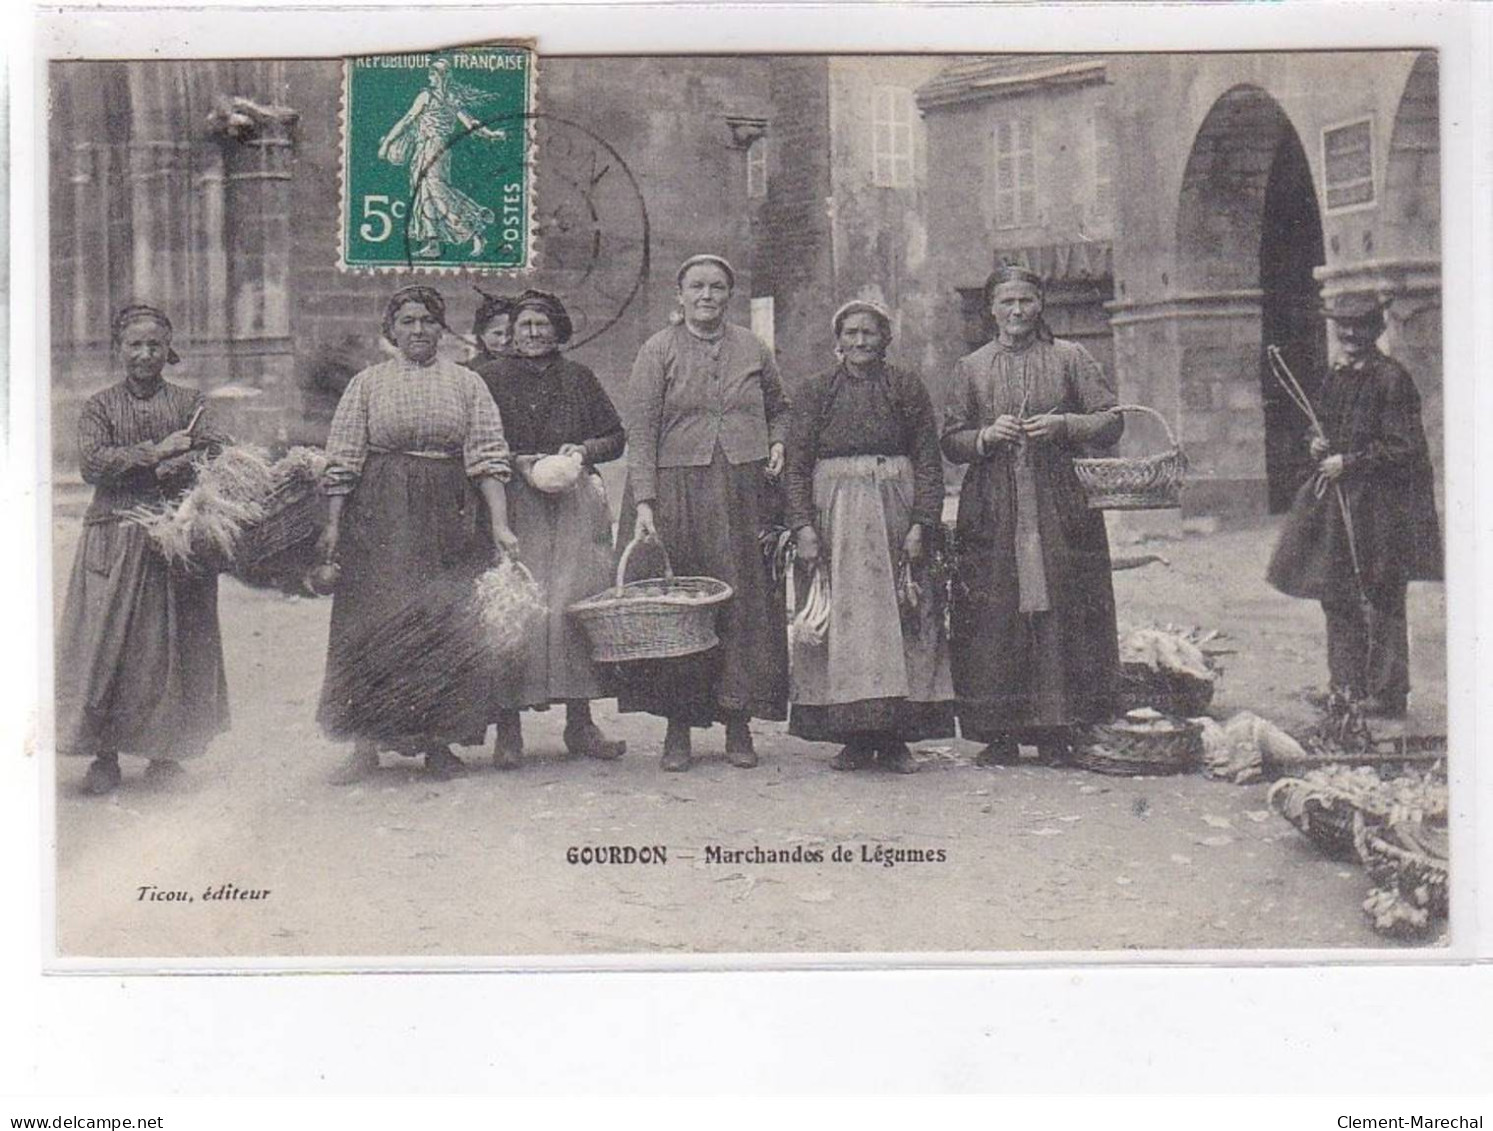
(865, 498)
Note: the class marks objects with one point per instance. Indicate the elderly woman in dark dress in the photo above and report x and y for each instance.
(864, 475)
(1034, 645)
(706, 424)
(553, 406)
(417, 463)
(139, 655)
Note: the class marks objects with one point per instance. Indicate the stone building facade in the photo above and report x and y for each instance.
(1186, 211)
(1189, 210)
(211, 189)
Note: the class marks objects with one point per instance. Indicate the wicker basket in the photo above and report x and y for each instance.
(1128, 747)
(1395, 860)
(294, 512)
(1328, 819)
(1171, 693)
(1134, 483)
(660, 618)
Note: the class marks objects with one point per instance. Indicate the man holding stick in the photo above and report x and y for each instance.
(1365, 524)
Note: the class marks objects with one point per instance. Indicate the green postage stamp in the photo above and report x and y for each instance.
(435, 160)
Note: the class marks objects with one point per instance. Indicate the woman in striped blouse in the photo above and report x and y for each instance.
(139, 655)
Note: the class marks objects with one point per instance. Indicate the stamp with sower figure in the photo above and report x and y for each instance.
(435, 161)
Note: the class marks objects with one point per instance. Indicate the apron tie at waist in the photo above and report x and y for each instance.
(878, 468)
(375, 450)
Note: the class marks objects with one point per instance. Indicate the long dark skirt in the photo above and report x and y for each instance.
(139, 654)
(565, 541)
(1030, 671)
(709, 519)
(405, 667)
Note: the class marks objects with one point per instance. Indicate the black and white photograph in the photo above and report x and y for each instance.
(907, 504)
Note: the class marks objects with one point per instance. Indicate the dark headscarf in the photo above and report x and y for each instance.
(137, 312)
(551, 307)
(428, 297)
(1016, 273)
(489, 310)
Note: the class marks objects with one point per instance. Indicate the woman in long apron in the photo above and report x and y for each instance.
(417, 463)
(552, 406)
(707, 419)
(1035, 650)
(139, 653)
(865, 490)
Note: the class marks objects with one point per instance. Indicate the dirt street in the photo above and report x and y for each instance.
(1027, 858)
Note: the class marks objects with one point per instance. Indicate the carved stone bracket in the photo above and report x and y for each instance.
(243, 120)
(744, 131)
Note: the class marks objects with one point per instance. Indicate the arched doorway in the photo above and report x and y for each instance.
(1249, 234)
(1290, 247)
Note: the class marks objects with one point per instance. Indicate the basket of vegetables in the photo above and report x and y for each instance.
(1337, 807)
(1143, 741)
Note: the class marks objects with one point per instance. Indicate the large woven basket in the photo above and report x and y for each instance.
(660, 618)
(1395, 859)
(1324, 816)
(1126, 747)
(294, 512)
(1134, 483)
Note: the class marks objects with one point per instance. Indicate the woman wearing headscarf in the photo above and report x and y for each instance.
(492, 329)
(865, 489)
(706, 424)
(552, 406)
(139, 655)
(417, 463)
(1033, 621)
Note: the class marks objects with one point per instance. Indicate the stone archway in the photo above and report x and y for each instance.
(1249, 236)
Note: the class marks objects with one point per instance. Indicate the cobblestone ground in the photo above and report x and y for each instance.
(1033, 859)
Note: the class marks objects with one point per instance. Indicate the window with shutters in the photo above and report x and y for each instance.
(1015, 174)
(891, 137)
(1348, 165)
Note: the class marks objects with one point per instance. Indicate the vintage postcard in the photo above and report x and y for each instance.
(527, 508)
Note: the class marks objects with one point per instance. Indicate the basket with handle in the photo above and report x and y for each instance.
(1134, 483)
(659, 618)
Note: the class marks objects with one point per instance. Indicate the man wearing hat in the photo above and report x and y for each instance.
(1365, 524)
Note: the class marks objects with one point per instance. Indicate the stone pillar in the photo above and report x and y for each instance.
(257, 145)
(1195, 358)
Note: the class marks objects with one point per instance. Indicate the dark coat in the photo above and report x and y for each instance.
(1371, 415)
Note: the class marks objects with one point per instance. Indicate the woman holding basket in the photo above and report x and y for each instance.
(560, 424)
(707, 419)
(1033, 638)
(417, 463)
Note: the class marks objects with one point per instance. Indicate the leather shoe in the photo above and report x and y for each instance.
(677, 757)
(103, 776)
(897, 758)
(508, 743)
(442, 765)
(589, 741)
(1001, 752)
(740, 751)
(852, 756)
